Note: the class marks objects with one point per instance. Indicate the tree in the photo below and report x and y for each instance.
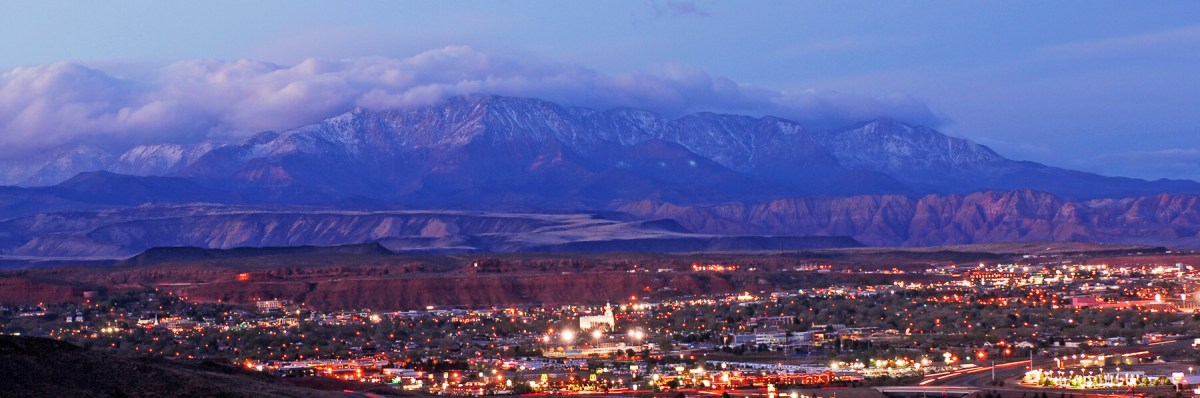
(522, 388)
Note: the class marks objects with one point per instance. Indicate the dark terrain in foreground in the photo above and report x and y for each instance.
(41, 367)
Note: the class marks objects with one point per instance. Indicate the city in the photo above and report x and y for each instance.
(618, 199)
(1055, 322)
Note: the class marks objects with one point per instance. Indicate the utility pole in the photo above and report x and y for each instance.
(993, 372)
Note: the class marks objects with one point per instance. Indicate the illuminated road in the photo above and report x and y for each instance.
(975, 376)
(1007, 371)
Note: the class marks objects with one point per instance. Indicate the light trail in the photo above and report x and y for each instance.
(933, 378)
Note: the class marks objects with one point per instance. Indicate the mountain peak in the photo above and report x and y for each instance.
(886, 122)
(385, 154)
(893, 147)
(51, 167)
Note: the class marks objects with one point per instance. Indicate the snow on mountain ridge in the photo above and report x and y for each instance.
(764, 145)
(161, 159)
(54, 166)
(893, 147)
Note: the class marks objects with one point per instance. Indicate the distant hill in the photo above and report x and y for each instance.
(168, 233)
(159, 255)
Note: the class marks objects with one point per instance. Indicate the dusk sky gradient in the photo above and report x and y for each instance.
(1107, 87)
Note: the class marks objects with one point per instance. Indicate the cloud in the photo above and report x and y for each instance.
(53, 105)
(675, 9)
(830, 109)
(61, 103)
(684, 9)
(1180, 41)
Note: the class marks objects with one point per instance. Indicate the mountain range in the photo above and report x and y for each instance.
(464, 144)
(881, 182)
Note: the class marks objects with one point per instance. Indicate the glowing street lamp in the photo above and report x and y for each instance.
(568, 336)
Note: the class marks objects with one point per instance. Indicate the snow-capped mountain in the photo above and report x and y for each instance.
(891, 147)
(54, 166)
(466, 143)
(737, 142)
(514, 150)
(881, 182)
(159, 160)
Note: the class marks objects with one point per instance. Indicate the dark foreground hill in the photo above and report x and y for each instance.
(40, 367)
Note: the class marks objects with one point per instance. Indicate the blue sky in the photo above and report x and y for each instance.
(1109, 87)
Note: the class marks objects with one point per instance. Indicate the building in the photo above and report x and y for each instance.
(775, 338)
(269, 306)
(772, 321)
(605, 320)
(600, 350)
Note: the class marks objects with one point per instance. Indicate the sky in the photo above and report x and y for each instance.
(1103, 86)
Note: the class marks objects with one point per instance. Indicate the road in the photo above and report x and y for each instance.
(1010, 370)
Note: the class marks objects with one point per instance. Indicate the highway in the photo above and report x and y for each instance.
(1009, 370)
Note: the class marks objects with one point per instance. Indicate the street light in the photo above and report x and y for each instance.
(636, 335)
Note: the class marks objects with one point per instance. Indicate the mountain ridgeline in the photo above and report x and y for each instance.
(488, 151)
(881, 183)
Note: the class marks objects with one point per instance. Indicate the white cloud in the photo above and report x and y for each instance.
(684, 8)
(54, 105)
(1180, 41)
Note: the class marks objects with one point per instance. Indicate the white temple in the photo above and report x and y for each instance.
(594, 321)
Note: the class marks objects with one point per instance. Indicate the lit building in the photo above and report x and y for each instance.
(595, 321)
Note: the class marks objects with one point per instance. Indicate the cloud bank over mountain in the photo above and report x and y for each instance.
(49, 106)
